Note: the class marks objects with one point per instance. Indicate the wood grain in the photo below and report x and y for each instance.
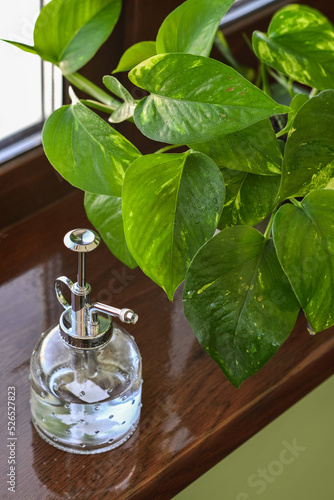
(192, 417)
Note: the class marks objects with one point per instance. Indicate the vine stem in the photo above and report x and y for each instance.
(168, 148)
(290, 87)
(102, 107)
(296, 203)
(267, 232)
(313, 92)
(265, 84)
(222, 45)
(97, 105)
(93, 90)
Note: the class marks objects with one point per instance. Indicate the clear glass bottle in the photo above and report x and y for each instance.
(85, 372)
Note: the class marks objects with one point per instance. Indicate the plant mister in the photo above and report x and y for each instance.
(85, 372)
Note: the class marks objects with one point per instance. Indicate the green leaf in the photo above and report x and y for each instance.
(117, 88)
(304, 241)
(124, 110)
(238, 301)
(69, 32)
(86, 151)
(249, 198)
(22, 46)
(136, 54)
(122, 113)
(194, 99)
(254, 149)
(105, 213)
(309, 153)
(297, 102)
(192, 26)
(300, 44)
(171, 206)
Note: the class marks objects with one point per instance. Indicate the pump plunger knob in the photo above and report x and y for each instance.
(82, 241)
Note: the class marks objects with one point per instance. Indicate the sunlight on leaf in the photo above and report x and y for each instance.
(195, 99)
(300, 44)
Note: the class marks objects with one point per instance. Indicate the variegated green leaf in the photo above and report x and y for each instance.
(249, 198)
(171, 206)
(68, 33)
(300, 44)
(192, 26)
(304, 241)
(124, 110)
(87, 151)
(136, 54)
(254, 149)
(195, 99)
(309, 153)
(238, 301)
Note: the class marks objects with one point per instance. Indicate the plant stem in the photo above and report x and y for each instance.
(296, 203)
(265, 84)
(290, 87)
(102, 107)
(90, 88)
(222, 45)
(168, 148)
(267, 232)
(280, 123)
(97, 105)
(279, 78)
(258, 80)
(313, 92)
(248, 41)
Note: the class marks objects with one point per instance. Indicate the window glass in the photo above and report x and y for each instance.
(21, 78)
(30, 89)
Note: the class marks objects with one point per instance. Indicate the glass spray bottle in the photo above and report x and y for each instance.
(85, 372)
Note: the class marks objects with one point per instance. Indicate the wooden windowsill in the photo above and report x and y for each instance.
(191, 416)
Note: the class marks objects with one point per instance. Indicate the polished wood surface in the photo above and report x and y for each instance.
(191, 416)
(27, 184)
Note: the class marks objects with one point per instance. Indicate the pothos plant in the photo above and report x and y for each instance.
(243, 289)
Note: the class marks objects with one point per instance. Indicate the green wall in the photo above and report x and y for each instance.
(290, 459)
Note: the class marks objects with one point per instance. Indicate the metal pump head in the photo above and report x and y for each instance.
(81, 324)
